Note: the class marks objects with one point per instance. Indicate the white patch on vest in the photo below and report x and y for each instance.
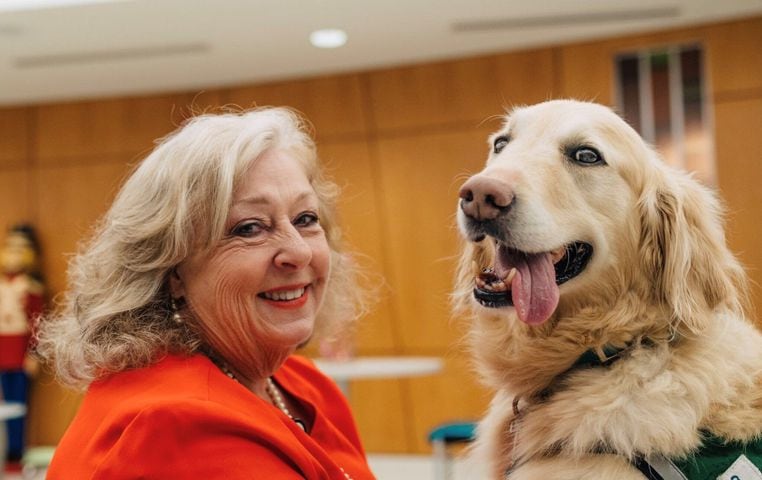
(742, 469)
(665, 468)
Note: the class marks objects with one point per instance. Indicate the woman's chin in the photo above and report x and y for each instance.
(294, 335)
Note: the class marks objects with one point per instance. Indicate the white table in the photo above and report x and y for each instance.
(342, 371)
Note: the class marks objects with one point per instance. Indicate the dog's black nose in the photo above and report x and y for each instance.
(485, 198)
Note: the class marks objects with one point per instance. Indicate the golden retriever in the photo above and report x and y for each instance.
(607, 311)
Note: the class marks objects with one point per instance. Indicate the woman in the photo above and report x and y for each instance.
(217, 260)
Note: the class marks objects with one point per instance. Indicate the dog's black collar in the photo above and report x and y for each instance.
(604, 356)
(607, 355)
(593, 358)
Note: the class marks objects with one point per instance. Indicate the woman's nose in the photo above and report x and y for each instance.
(294, 251)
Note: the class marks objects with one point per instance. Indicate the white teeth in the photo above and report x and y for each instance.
(507, 279)
(283, 295)
(558, 254)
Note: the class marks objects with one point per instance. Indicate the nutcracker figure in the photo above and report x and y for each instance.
(21, 301)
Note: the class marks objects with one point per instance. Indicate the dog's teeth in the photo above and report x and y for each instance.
(480, 283)
(558, 254)
(512, 273)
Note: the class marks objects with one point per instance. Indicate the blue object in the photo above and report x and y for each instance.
(15, 388)
(444, 435)
(453, 432)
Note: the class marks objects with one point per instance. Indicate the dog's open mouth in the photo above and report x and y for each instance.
(529, 282)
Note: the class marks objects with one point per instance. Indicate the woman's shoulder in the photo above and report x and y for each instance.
(173, 381)
(181, 436)
(172, 376)
(177, 401)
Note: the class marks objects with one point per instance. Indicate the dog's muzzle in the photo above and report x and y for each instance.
(484, 202)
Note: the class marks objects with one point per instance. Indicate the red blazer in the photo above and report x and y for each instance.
(182, 418)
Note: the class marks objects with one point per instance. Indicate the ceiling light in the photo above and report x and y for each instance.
(328, 38)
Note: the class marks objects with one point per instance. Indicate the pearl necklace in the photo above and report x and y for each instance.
(276, 397)
(272, 392)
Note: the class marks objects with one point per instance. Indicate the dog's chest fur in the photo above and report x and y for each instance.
(655, 400)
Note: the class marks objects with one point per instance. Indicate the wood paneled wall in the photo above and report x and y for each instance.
(401, 141)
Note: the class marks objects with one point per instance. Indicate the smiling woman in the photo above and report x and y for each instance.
(263, 284)
(219, 258)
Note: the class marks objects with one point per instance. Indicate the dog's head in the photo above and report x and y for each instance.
(571, 204)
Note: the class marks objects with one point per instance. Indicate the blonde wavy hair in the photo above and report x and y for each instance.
(117, 314)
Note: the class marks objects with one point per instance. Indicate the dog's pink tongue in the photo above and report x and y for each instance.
(533, 288)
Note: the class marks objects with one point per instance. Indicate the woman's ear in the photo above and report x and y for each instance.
(683, 250)
(176, 285)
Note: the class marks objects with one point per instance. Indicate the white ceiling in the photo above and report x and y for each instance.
(141, 46)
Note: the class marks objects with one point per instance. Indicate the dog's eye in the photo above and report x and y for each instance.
(499, 144)
(587, 156)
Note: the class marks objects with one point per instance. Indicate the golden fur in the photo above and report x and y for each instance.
(661, 270)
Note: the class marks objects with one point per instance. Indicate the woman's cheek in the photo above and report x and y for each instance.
(235, 307)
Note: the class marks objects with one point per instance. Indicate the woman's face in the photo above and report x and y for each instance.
(259, 290)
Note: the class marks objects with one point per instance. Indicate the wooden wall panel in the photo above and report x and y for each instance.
(739, 161)
(524, 78)
(445, 93)
(88, 131)
(379, 407)
(204, 101)
(586, 72)
(587, 69)
(15, 136)
(735, 57)
(333, 104)
(350, 165)
(15, 197)
(51, 409)
(455, 394)
(71, 199)
(421, 176)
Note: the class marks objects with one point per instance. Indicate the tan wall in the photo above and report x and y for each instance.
(401, 141)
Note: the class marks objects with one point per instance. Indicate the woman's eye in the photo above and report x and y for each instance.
(499, 144)
(587, 156)
(306, 219)
(247, 229)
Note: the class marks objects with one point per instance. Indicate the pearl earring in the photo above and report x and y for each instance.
(176, 317)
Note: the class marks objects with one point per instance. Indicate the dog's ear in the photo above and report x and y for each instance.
(683, 250)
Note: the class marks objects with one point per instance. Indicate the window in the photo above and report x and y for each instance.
(660, 93)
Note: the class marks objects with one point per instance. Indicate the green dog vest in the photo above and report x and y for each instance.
(715, 460)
